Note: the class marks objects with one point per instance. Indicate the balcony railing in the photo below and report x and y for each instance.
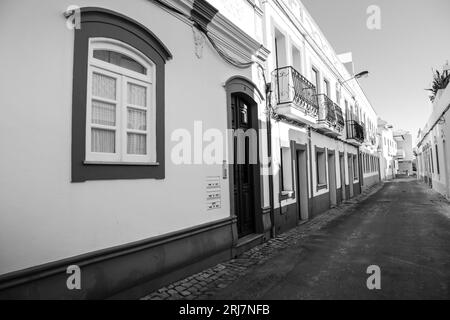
(291, 87)
(340, 123)
(327, 113)
(355, 131)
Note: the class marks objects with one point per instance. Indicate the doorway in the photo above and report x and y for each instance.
(332, 178)
(245, 165)
(447, 174)
(342, 175)
(301, 169)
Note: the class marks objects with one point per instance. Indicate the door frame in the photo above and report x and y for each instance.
(301, 148)
(252, 96)
(447, 174)
(342, 175)
(351, 176)
(330, 191)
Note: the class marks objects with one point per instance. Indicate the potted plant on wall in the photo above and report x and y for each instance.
(440, 82)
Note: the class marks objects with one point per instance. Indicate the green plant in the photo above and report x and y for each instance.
(440, 81)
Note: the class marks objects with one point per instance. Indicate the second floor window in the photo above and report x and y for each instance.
(315, 79)
(326, 87)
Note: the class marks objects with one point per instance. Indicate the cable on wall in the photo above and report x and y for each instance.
(225, 56)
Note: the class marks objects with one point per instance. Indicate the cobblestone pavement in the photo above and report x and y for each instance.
(203, 285)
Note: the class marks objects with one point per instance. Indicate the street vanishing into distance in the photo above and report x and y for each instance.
(402, 227)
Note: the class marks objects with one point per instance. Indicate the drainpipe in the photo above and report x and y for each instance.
(269, 155)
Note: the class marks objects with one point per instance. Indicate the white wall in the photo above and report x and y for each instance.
(243, 14)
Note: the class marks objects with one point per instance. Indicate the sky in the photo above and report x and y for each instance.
(414, 39)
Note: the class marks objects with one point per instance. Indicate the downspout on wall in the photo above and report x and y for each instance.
(269, 155)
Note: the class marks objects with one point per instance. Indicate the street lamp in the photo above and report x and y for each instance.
(362, 74)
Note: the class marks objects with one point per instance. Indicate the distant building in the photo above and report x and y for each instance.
(404, 154)
(387, 149)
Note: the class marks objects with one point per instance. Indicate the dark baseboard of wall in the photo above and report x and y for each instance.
(347, 192)
(356, 189)
(127, 271)
(370, 181)
(286, 218)
(320, 204)
(339, 195)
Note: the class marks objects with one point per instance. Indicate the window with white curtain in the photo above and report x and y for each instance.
(321, 168)
(120, 117)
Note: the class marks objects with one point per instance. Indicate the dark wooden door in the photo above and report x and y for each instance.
(244, 202)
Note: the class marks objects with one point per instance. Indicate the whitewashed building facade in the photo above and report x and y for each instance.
(387, 148)
(110, 170)
(324, 131)
(432, 151)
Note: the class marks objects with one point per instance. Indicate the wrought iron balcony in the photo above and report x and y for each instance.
(292, 90)
(355, 132)
(340, 123)
(327, 113)
(331, 120)
(366, 136)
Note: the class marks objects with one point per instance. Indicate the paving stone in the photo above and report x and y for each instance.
(193, 289)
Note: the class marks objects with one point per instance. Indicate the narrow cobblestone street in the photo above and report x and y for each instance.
(401, 226)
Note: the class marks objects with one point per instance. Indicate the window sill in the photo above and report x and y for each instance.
(121, 163)
(321, 186)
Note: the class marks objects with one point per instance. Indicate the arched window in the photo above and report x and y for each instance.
(120, 117)
(117, 99)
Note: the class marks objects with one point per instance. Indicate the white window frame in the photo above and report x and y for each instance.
(123, 76)
(286, 171)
